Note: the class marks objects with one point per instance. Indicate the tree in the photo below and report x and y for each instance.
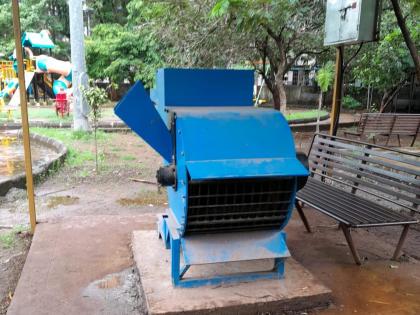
(95, 97)
(281, 32)
(188, 36)
(121, 52)
(386, 65)
(37, 15)
(324, 78)
(401, 20)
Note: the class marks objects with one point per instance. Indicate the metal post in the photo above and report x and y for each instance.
(338, 88)
(80, 112)
(24, 114)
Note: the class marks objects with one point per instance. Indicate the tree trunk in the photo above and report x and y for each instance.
(281, 102)
(283, 97)
(407, 38)
(276, 98)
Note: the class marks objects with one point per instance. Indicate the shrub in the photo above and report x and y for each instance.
(350, 103)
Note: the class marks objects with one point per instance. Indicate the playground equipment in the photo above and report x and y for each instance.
(231, 170)
(41, 64)
(62, 104)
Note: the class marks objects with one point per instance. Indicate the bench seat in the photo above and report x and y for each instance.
(348, 208)
(361, 185)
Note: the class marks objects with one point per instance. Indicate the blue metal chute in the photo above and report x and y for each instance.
(186, 87)
(138, 112)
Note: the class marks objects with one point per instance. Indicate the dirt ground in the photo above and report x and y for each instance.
(79, 191)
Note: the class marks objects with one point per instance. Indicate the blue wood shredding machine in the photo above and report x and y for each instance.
(230, 170)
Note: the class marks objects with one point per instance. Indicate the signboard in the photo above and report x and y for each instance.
(351, 21)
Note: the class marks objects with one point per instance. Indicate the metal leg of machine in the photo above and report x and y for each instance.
(179, 270)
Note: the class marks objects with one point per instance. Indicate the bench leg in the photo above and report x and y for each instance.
(303, 217)
(387, 140)
(400, 242)
(349, 239)
(414, 140)
(399, 140)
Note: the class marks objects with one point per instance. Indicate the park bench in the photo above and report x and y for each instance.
(387, 124)
(361, 185)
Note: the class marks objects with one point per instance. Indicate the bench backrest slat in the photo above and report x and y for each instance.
(364, 168)
(364, 173)
(386, 123)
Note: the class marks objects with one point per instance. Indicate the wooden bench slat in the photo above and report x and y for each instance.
(388, 124)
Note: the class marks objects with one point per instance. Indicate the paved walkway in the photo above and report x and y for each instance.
(82, 265)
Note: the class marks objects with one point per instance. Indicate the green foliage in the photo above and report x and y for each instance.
(35, 16)
(325, 76)
(386, 63)
(309, 114)
(188, 36)
(276, 32)
(122, 52)
(77, 157)
(8, 239)
(350, 103)
(95, 97)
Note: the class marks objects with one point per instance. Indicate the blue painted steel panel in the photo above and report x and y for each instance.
(247, 141)
(242, 168)
(139, 113)
(204, 87)
(228, 247)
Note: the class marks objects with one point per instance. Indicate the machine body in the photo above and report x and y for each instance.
(230, 169)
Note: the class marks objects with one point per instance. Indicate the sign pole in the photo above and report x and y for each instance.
(24, 114)
(338, 90)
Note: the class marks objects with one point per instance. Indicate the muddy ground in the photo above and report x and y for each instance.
(78, 191)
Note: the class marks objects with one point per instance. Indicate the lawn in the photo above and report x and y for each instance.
(309, 114)
(48, 114)
(78, 154)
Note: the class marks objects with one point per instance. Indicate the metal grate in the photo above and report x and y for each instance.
(238, 204)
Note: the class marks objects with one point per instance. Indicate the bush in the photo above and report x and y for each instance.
(350, 103)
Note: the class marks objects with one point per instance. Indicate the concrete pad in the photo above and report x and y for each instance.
(298, 291)
(81, 265)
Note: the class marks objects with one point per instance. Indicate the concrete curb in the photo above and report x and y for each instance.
(19, 180)
(65, 125)
(110, 126)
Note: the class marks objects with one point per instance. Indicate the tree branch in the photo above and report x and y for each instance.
(407, 38)
(352, 57)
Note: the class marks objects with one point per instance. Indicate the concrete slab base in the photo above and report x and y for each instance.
(297, 292)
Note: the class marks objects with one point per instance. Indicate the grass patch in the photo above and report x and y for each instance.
(310, 114)
(48, 114)
(76, 156)
(128, 158)
(42, 113)
(8, 239)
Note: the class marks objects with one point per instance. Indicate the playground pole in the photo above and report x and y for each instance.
(24, 114)
(80, 78)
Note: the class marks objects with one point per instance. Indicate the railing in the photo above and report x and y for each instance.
(7, 72)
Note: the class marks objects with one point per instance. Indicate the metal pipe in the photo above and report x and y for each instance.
(24, 114)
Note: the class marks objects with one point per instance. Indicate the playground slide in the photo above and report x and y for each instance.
(15, 101)
(46, 64)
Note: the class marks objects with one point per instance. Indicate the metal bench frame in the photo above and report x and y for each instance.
(387, 124)
(344, 172)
